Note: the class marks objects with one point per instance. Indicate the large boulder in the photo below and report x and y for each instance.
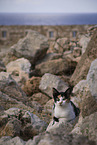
(48, 81)
(58, 67)
(83, 66)
(83, 98)
(87, 127)
(9, 87)
(19, 69)
(92, 78)
(33, 47)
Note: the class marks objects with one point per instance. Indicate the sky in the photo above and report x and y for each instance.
(48, 6)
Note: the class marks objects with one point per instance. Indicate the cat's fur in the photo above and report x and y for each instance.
(63, 106)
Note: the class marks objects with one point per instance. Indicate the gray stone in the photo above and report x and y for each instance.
(49, 81)
(92, 78)
(32, 47)
(84, 40)
(9, 87)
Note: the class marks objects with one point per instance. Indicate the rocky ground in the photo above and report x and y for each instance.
(28, 72)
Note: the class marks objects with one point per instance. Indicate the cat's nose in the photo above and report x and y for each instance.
(60, 103)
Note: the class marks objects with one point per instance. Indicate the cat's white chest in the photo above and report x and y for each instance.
(64, 111)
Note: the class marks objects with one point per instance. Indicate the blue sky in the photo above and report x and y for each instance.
(48, 6)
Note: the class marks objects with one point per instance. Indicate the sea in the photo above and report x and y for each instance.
(48, 19)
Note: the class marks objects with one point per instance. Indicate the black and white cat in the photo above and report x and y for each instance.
(63, 108)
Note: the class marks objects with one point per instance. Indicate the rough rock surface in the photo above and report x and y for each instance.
(19, 68)
(87, 127)
(33, 47)
(92, 78)
(84, 40)
(9, 87)
(17, 122)
(31, 86)
(58, 67)
(83, 66)
(48, 81)
(2, 66)
(84, 100)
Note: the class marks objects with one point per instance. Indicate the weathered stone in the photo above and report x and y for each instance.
(9, 87)
(84, 99)
(48, 81)
(2, 66)
(58, 67)
(40, 98)
(33, 47)
(19, 68)
(92, 78)
(84, 40)
(87, 127)
(31, 86)
(60, 45)
(12, 128)
(83, 65)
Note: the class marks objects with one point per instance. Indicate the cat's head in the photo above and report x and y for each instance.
(62, 97)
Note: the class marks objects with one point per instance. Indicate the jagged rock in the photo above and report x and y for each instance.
(50, 56)
(48, 81)
(84, 99)
(2, 66)
(92, 78)
(87, 127)
(83, 65)
(60, 45)
(9, 87)
(31, 86)
(6, 140)
(33, 47)
(15, 121)
(84, 40)
(19, 69)
(40, 98)
(12, 128)
(58, 67)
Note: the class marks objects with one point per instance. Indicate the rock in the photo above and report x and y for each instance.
(84, 100)
(83, 65)
(32, 47)
(12, 128)
(50, 56)
(58, 67)
(76, 52)
(92, 78)
(9, 87)
(15, 121)
(31, 86)
(19, 69)
(84, 40)
(60, 45)
(9, 102)
(87, 127)
(48, 81)
(6, 140)
(40, 98)
(2, 66)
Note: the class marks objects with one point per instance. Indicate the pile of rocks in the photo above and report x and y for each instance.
(27, 75)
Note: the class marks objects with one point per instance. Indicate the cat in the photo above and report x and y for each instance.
(63, 107)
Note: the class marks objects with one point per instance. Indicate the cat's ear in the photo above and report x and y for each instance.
(68, 92)
(55, 94)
